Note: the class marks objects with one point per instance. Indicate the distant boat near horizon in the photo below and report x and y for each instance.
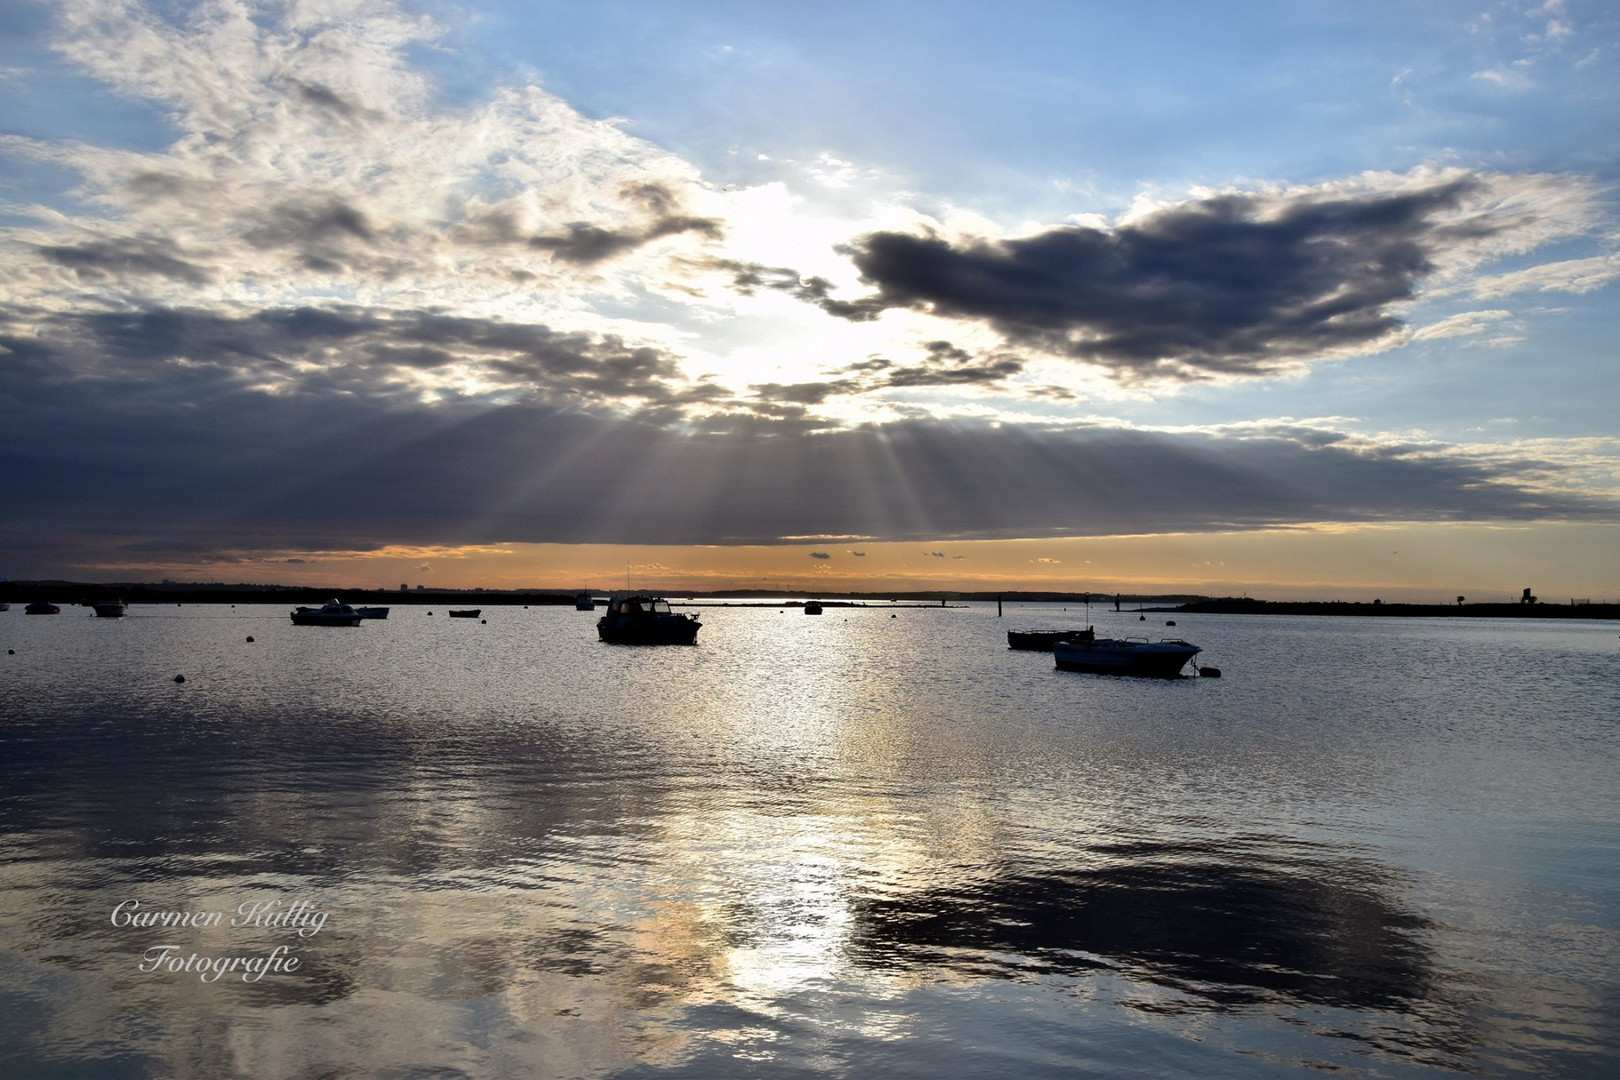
(584, 602)
(42, 607)
(110, 609)
(371, 612)
(469, 614)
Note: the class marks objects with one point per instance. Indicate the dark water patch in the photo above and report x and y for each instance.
(1231, 930)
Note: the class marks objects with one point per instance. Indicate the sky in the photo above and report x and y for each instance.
(1290, 300)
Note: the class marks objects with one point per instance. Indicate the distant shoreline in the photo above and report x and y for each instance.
(71, 592)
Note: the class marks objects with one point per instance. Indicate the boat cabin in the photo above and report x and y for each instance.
(638, 605)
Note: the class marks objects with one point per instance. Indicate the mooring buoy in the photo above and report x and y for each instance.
(179, 678)
(1210, 672)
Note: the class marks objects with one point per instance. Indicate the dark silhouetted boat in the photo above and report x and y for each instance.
(470, 614)
(371, 612)
(331, 613)
(812, 607)
(1042, 640)
(584, 602)
(645, 620)
(110, 609)
(1124, 656)
(41, 607)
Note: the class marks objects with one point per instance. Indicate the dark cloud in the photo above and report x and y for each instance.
(944, 364)
(156, 433)
(1230, 285)
(584, 243)
(292, 224)
(134, 257)
(948, 365)
(358, 352)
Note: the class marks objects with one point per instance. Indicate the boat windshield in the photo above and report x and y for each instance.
(660, 607)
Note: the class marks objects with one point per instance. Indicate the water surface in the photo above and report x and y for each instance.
(874, 842)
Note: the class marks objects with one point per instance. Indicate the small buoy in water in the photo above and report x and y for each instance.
(1210, 672)
(482, 621)
(179, 678)
(430, 613)
(893, 616)
(250, 639)
(11, 652)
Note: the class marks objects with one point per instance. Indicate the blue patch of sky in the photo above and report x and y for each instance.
(42, 98)
(1004, 107)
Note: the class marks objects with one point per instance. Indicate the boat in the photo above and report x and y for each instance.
(4, 606)
(812, 607)
(645, 620)
(110, 609)
(584, 602)
(41, 607)
(1043, 640)
(1162, 659)
(331, 613)
(471, 614)
(371, 612)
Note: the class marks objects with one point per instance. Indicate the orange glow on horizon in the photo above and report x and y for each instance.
(1423, 562)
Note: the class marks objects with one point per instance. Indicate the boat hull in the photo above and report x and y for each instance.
(1106, 656)
(315, 618)
(662, 632)
(1038, 640)
(333, 614)
(110, 609)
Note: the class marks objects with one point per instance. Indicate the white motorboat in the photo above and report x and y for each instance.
(1162, 659)
(331, 613)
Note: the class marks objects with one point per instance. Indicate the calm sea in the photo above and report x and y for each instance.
(873, 843)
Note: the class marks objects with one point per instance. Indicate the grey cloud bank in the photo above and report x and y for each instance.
(120, 468)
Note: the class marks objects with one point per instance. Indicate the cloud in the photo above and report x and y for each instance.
(203, 459)
(311, 157)
(1232, 284)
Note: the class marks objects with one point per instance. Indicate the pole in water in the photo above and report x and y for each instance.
(998, 607)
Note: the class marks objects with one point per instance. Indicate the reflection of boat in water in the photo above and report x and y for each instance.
(1124, 656)
(41, 607)
(110, 609)
(331, 613)
(645, 620)
(1043, 640)
(812, 607)
(371, 612)
(472, 614)
(584, 602)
